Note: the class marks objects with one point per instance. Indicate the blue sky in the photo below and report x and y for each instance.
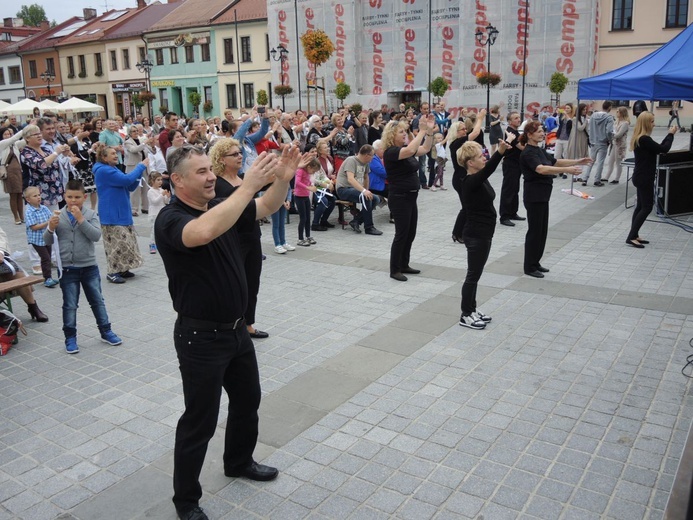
(62, 10)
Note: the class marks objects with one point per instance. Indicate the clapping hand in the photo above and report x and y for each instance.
(503, 146)
(288, 163)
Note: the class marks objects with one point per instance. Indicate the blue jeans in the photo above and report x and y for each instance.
(90, 280)
(278, 226)
(423, 160)
(323, 209)
(365, 216)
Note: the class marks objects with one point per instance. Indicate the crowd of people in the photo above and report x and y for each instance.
(207, 186)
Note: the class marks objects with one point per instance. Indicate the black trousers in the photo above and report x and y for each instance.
(537, 231)
(209, 361)
(643, 207)
(303, 207)
(251, 253)
(478, 250)
(406, 214)
(510, 190)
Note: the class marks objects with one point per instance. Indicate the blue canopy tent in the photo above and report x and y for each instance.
(665, 74)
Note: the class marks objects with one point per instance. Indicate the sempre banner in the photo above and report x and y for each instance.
(397, 46)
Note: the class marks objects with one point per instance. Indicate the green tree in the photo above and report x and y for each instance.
(262, 97)
(195, 99)
(557, 85)
(438, 87)
(32, 14)
(341, 91)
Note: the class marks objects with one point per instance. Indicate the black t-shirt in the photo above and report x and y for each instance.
(477, 197)
(206, 282)
(224, 189)
(459, 172)
(513, 154)
(646, 159)
(402, 174)
(537, 188)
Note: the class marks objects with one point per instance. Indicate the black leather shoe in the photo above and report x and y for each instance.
(507, 222)
(373, 231)
(255, 471)
(327, 224)
(127, 274)
(409, 270)
(398, 276)
(517, 217)
(196, 513)
(318, 228)
(258, 334)
(535, 274)
(542, 269)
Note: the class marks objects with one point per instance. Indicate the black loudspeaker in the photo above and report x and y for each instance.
(675, 183)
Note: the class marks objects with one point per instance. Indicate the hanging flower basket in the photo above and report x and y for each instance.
(317, 46)
(147, 96)
(283, 90)
(208, 106)
(488, 78)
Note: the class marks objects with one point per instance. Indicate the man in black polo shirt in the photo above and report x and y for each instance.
(510, 190)
(197, 237)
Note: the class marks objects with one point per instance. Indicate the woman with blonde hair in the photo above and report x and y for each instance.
(227, 162)
(646, 151)
(402, 169)
(618, 145)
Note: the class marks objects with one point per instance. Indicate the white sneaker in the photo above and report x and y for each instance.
(36, 270)
(279, 250)
(443, 188)
(289, 247)
(433, 188)
(480, 316)
(472, 322)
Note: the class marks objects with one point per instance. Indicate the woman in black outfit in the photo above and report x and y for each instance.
(539, 169)
(646, 151)
(402, 169)
(477, 197)
(458, 132)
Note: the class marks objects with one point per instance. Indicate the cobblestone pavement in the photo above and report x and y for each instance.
(376, 404)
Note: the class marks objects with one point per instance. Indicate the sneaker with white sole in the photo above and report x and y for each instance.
(480, 316)
(303, 243)
(110, 337)
(71, 345)
(279, 250)
(433, 188)
(289, 247)
(311, 240)
(472, 322)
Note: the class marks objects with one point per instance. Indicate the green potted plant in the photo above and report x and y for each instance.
(195, 100)
(557, 85)
(283, 90)
(438, 87)
(261, 97)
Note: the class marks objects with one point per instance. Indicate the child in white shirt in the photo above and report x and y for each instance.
(158, 198)
(441, 160)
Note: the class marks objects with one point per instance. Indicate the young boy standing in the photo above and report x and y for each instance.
(37, 216)
(77, 229)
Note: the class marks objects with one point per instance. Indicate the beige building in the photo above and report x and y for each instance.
(630, 30)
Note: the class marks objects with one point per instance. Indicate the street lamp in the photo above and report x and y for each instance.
(487, 39)
(279, 53)
(145, 66)
(48, 77)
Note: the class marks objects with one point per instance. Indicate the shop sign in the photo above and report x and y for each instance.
(127, 87)
(163, 83)
(180, 40)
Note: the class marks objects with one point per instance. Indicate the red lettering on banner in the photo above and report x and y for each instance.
(376, 3)
(310, 75)
(479, 63)
(596, 36)
(340, 39)
(284, 40)
(409, 59)
(532, 107)
(378, 64)
(448, 55)
(523, 20)
(570, 15)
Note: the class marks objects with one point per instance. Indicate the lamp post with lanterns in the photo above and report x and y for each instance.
(145, 66)
(279, 53)
(487, 39)
(48, 77)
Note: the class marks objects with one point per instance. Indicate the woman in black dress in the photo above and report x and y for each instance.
(539, 169)
(646, 151)
(477, 196)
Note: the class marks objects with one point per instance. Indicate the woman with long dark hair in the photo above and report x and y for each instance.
(539, 169)
(646, 151)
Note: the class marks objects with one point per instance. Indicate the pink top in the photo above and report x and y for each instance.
(301, 183)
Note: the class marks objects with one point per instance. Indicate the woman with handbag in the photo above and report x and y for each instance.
(11, 171)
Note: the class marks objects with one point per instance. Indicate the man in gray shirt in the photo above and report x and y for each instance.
(352, 185)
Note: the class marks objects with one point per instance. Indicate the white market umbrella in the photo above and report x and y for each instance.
(48, 104)
(80, 105)
(21, 108)
(3, 104)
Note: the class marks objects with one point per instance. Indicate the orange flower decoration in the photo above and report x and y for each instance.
(317, 46)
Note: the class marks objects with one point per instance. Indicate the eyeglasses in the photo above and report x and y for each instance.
(31, 135)
(234, 154)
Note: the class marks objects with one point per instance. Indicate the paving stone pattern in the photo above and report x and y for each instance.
(376, 404)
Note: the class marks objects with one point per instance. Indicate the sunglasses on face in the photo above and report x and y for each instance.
(234, 154)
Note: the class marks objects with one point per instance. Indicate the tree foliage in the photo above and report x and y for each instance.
(32, 15)
(341, 91)
(438, 87)
(317, 46)
(262, 97)
(558, 82)
(195, 99)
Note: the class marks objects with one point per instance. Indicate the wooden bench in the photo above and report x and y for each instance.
(346, 204)
(8, 289)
